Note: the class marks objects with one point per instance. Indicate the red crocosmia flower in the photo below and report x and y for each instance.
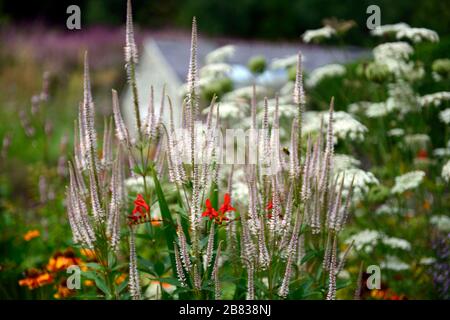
(422, 154)
(141, 210)
(269, 207)
(226, 207)
(210, 211)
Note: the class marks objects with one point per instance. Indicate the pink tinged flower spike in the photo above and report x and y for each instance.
(133, 284)
(197, 279)
(306, 190)
(264, 257)
(333, 218)
(107, 156)
(192, 77)
(250, 282)
(79, 212)
(331, 295)
(215, 273)
(284, 288)
(131, 59)
(131, 53)
(329, 151)
(299, 93)
(210, 247)
(121, 129)
(327, 254)
(294, 164)
(88, 114)
(179, 266)
(80, 140)
(76, 233)
(184, 249)
(149, 123)
(113, 223)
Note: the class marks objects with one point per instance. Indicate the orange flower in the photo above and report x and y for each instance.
(141, 211)
(62, 290)
(35, 279)
(210, 211)
(88, 253)
(121, 278)
(62, 260)
(31, 234)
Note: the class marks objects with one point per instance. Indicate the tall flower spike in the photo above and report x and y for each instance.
(299, 93)
(131, 54)
(294, 166)
(149, 123)
(135, 288)
(91, 144)
(210, 246)
(331, 295)
(215, 273)
(179, 266)
(192, 76)
(131, 59)
(184, 249)
(121, 129)
(250, 282)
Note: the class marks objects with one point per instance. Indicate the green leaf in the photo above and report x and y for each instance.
(169, 225)
(100, 283)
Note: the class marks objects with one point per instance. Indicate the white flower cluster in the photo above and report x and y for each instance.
(404, 31)
(396, 132)
(418, 35)
(347, 127)
(367, 240)
(408, 181)
(344, 162)
(221, 54)
(318, 34)
(215, 70)
(394, 263)
(434, 99)
(389, 29)
(444, 116)
(441, 222)
(361, 183)
(326, 71)
(392, 50)
(394, 56)
(284, 63)
(446, 171)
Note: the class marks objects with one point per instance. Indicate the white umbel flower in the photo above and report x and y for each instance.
(389, 29)
(221, 54)
(446, 171)
(394, 263)
(326, 71)
(434, 99)
(318, 34)
(408, 181)
(441, 222)
(418, 35)
(444, 116)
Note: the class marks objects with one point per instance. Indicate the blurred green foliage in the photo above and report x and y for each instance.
(250, 18)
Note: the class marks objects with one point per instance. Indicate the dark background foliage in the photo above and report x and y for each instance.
(268, 19)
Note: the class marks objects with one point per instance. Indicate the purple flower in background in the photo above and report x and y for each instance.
(441, 268)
